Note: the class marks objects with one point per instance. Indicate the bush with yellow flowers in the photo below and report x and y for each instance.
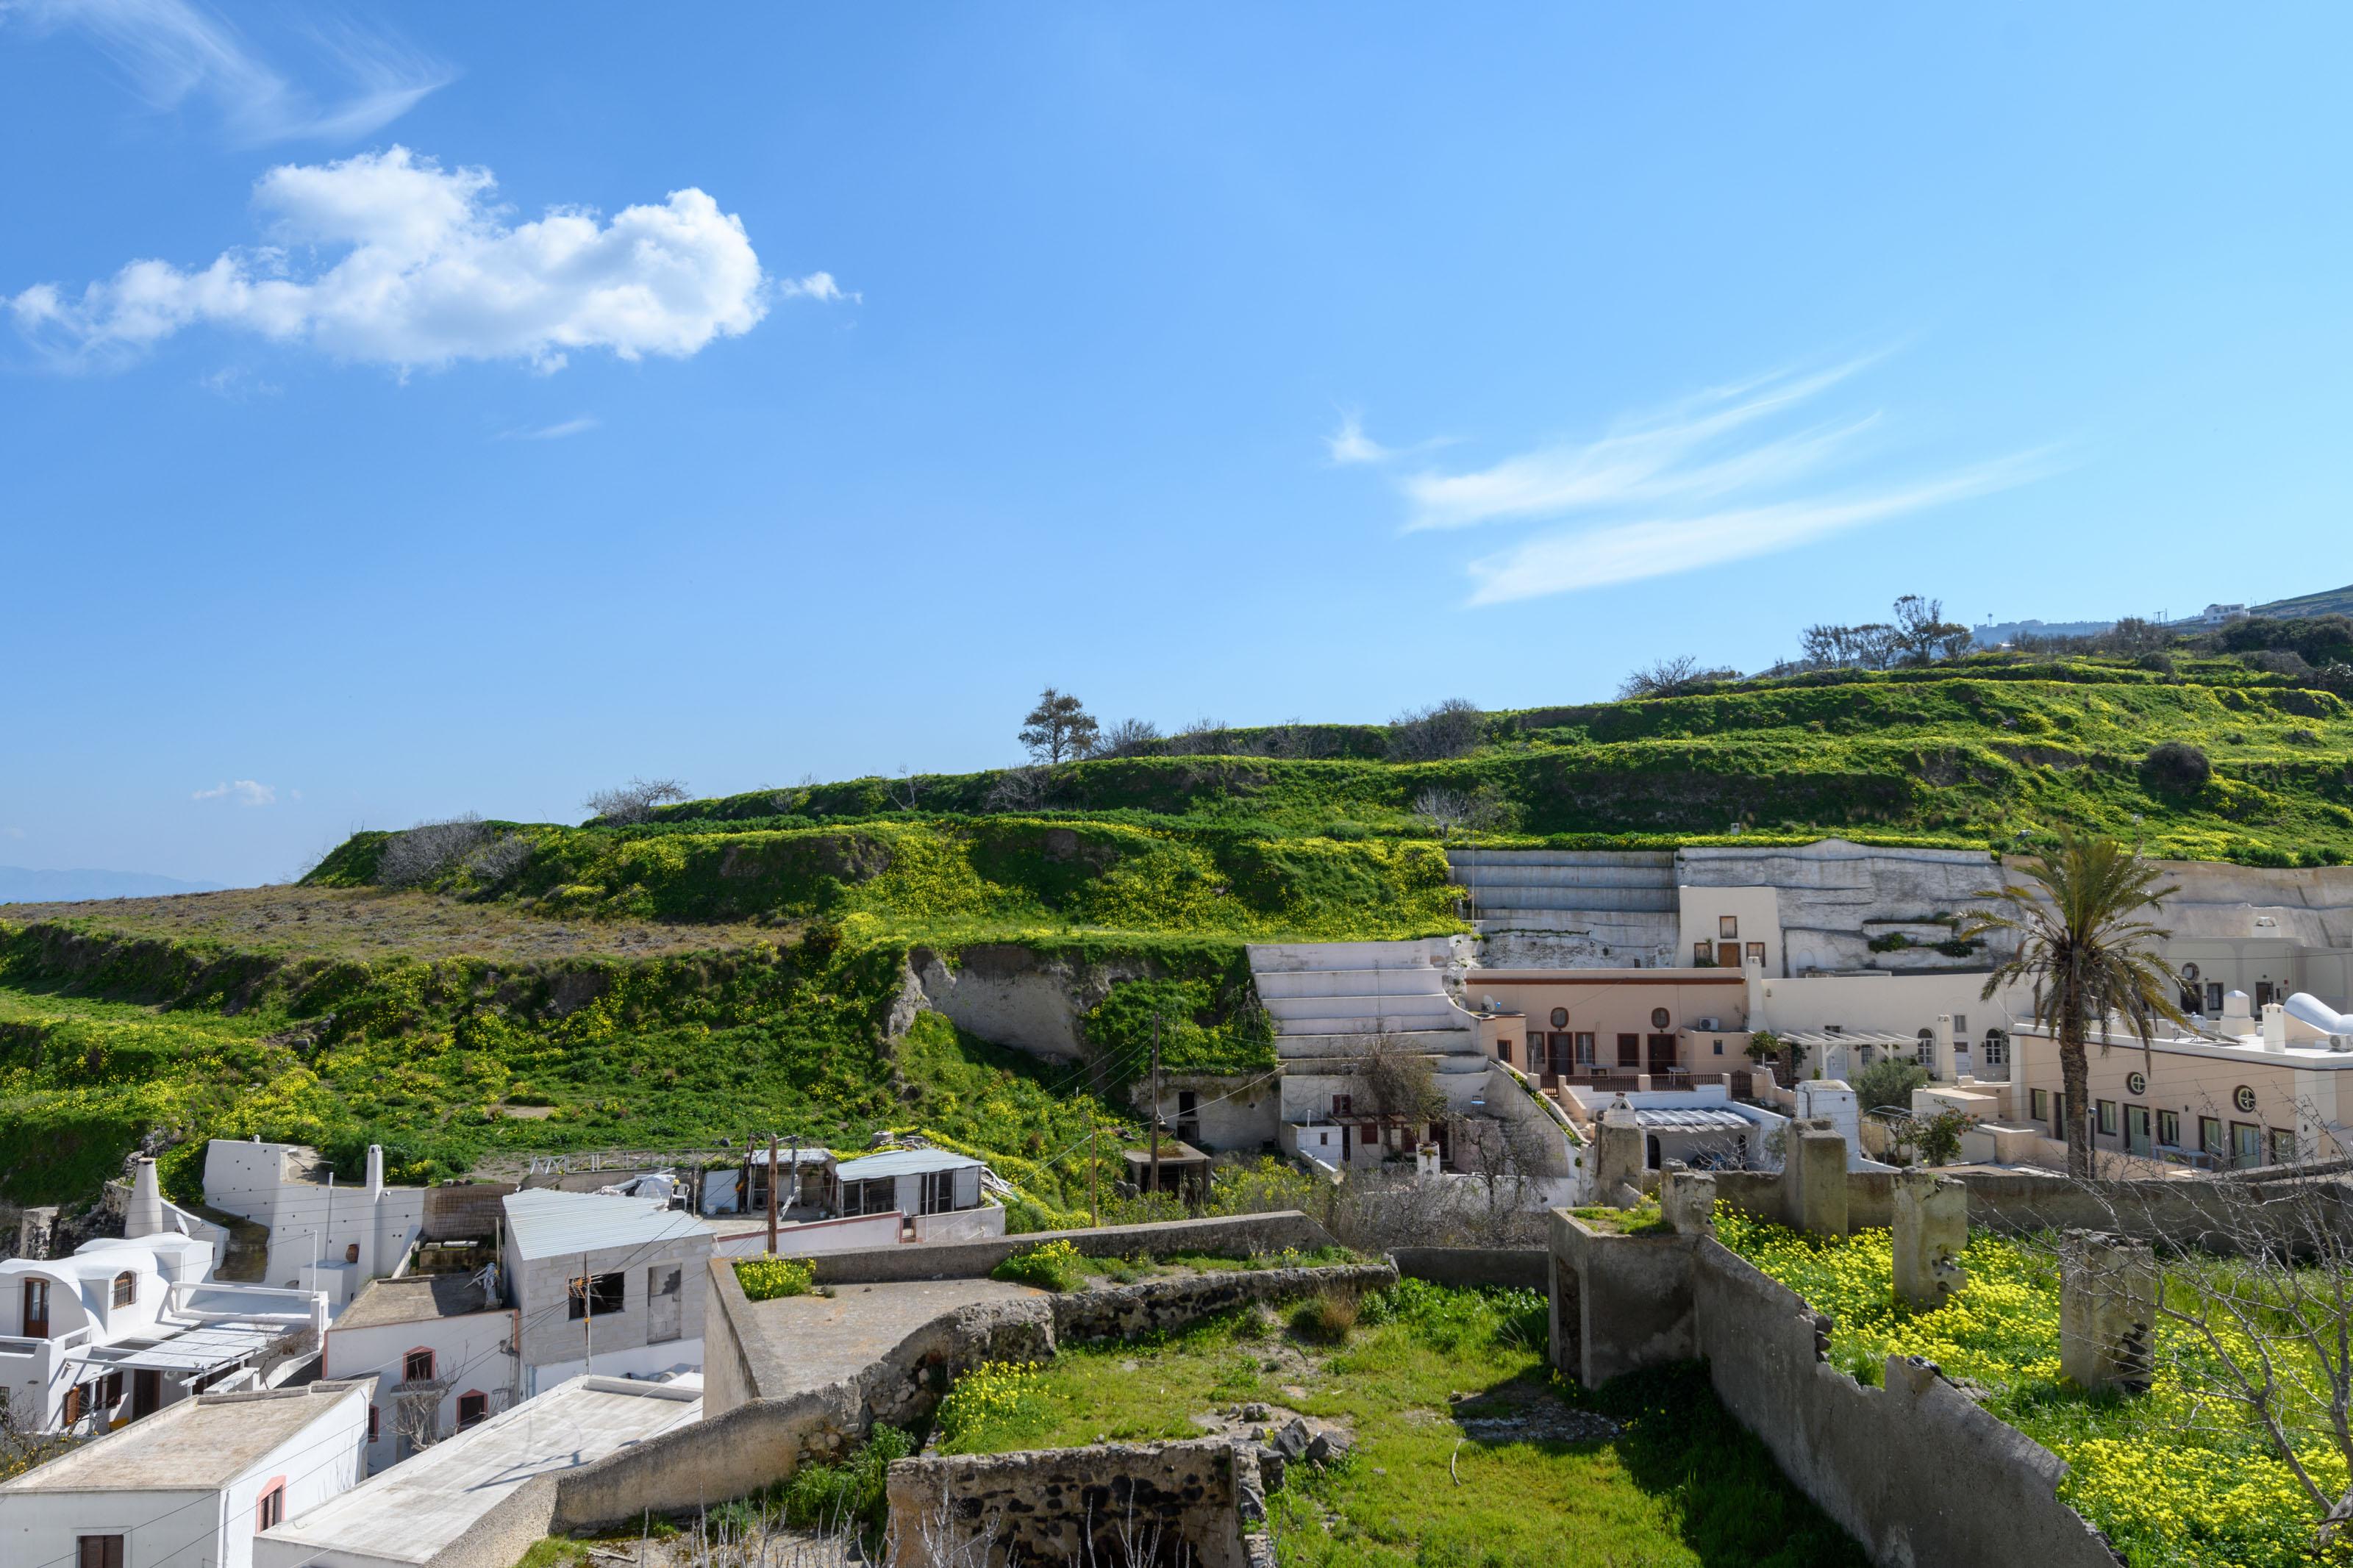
(2175, 1481)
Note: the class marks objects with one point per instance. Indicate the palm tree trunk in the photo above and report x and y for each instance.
(2075, 1080)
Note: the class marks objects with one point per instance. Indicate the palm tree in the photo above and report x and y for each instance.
(2083, 941)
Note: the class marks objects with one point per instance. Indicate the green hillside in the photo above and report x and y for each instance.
(731, 966)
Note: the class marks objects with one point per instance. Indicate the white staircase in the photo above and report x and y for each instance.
(1326, 997)
(1572, 907)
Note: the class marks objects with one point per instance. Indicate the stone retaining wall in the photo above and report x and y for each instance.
(1149, 1306)
(1915, 1471)
(1143, 1503)
(1241, 1234)
(759, 1424)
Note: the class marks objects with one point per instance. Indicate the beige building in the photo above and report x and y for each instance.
(2263, 1090)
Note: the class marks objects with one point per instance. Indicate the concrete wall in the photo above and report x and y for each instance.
(1154, 1306)
(1245, 1234)
(1916, 1470)
(2184, 1213)
(465, 1213)
(847, 1234)
(1074, 1505)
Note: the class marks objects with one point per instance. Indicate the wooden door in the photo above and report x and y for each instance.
(1630, 1051)
(146, 1391)
(37, 1309)
(1727, 954)
(1663, 1052)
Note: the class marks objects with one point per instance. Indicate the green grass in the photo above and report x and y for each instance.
(1680, 1484)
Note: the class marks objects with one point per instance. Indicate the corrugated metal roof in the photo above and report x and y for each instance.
(1695, 1120)
(546, 1223)
(197, 1350)
(902, 1163)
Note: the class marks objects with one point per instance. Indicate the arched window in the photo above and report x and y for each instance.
(126, 1287)
(1925, 1053)
(1659, 1016)
(1560, 1017)
(1996, 1051)
(416, 1366)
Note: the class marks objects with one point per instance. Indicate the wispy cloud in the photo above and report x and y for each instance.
(1349, 444)
(175, 51)
(1655, 547)
(555, 432)
(818, 286)
(1722, 476)
(245, 791)
(428, 269)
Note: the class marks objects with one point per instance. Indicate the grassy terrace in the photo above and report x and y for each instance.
(2175, 1480)
(1436, 1384)
(731, 966)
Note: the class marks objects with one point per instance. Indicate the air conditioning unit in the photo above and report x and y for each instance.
(1710, 1026)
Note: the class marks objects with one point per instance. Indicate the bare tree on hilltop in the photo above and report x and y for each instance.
(1434, 734)
(1918, 635)
(1059, 729)
(1676, 677)
(635, 801)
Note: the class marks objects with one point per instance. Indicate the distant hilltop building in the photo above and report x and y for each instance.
(1993, 634)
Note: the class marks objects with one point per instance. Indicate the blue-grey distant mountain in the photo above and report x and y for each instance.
(20, 886)
(2334, 602)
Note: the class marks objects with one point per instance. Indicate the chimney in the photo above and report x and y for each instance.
(376, 1171)
(145, 1215)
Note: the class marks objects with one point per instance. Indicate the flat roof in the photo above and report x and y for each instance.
(415, 1298)
(546, 1223)
(902, 1163)
(1693, 1120)
(192, 1349)
(416, 1509)
(2246, 1049)
(197, 1445)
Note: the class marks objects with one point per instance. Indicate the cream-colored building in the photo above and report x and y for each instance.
(2266, 1088)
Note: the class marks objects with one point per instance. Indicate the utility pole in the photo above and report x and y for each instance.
(772, 1194)
(1156, 1105)
(1094, 1217)
(588, 1318)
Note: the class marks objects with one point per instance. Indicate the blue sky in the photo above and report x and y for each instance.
(522, 399)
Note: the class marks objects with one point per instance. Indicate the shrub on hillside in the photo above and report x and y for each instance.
(428, 850)
(2176, 765)
(1326, 1317)
(634, 801)
(1449, 729)
(1888, 1081)
(1050, 1265)
(766, 1279)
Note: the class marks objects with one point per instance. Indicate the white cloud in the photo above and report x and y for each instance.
(430, 271)
(818, 286)
(1349, 444)
(557, 431)
(245, 791)
(1707, 481)
(1655, 547)
(173, 51)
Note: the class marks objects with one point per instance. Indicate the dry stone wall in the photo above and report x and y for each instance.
(1162, 1504)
